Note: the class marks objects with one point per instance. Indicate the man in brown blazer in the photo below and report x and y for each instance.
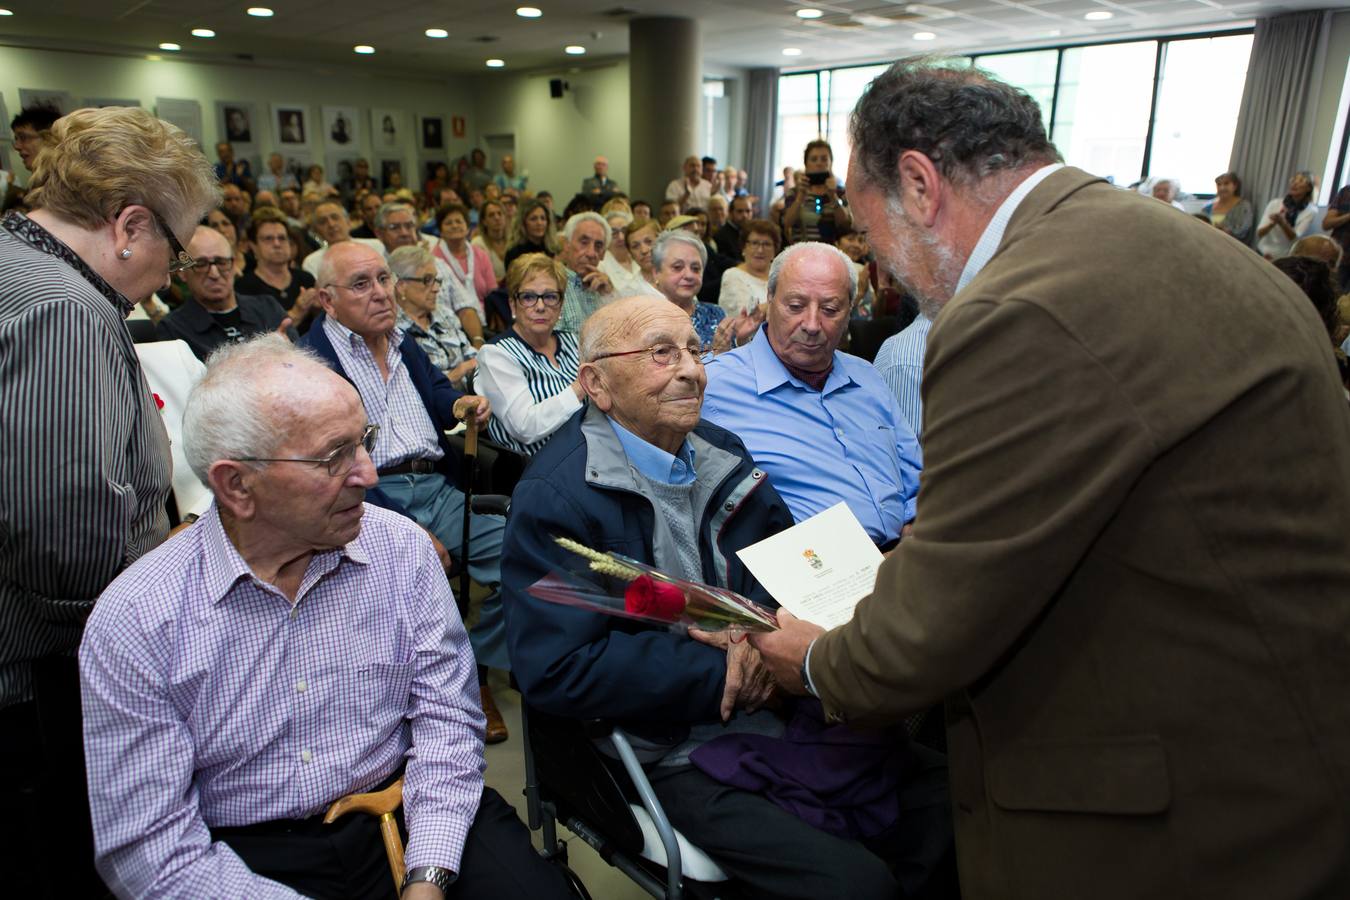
(1129, 576)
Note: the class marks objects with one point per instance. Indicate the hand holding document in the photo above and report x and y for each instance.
(818, 569)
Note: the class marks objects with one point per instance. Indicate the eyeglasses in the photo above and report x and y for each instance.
(339, 462)
(550, 299)
(180, 259)
(759, 245)
(203, 265)
(426, 281)
(365, 283)
(400, 226)
(662, 354)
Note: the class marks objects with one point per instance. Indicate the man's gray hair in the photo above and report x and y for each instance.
(781, 260)
(570, 228)
(405, 261)
(666, 238)
(228, 414)
(388, 209)
(968, 123)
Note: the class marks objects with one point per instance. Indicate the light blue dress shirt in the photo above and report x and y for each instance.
(900, 363)
(655, 463)
(848, 441)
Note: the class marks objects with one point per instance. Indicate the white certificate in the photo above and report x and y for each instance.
(819, 569)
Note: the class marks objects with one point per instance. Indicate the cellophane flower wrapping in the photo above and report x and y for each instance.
(616, 585)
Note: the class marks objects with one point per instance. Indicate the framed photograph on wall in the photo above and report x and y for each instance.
(391, 174)
(433, 132)
(290, 124)
(59, 99)
(237, 122)
(387, 127)
(342, 127)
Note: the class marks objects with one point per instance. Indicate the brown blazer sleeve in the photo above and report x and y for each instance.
(1031, 446)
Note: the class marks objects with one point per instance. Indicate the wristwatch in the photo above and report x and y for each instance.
(436, 875)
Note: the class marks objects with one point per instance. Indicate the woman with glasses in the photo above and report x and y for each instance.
(529, 375)
(85, 471)
(441, 337)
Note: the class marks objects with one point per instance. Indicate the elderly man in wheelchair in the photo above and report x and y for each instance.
(637, 471)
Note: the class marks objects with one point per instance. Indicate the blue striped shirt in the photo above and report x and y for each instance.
(900, 362)
(524, 420)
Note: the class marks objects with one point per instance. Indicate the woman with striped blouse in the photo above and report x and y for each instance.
(530, 374)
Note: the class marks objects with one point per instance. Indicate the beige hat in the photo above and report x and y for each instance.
(679, 222)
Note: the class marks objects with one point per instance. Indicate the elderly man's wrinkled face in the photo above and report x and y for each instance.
(808, 312)
(212, 286)
(303, 501)
(361, 293)
(264, 198)
(399, 230)
(331, 223)
(275, 163)
(601, 167)
(585, 248)
(692, 166)
(658, 403)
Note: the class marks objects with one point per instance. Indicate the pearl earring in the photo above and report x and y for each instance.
(126, 254)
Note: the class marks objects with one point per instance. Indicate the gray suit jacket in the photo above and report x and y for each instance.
(1130, 570)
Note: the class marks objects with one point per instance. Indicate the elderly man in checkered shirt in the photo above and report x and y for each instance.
(292, 646)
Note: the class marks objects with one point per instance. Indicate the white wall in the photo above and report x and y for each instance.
(557, 140)
(89, 75)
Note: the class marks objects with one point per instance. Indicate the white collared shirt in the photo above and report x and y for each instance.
(993, 232)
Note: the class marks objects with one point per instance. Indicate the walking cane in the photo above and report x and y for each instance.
(470, 473)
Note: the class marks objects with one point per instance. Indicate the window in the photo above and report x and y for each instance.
(1198, 101)
(1033, 72)
(846, 88)
(1101, 119)
(799, 120)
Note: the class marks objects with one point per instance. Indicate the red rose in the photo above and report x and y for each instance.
(159, 402)
(649, 597)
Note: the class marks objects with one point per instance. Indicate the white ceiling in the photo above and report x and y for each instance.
(747, 33)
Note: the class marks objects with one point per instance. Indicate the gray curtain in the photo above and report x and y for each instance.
(1274, 126)
(761, 132)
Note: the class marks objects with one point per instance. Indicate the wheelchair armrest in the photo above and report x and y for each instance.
(490, 504)
(664, 830)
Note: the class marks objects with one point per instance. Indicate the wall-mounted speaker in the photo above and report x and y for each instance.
(556, 88)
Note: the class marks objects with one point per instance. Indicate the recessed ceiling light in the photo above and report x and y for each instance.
(1099, 15)
(495, 63)
(529, 12)
(169, 45)
(261, 12)
(809, 13)
(924, 36)
(6, 12)
(792, 51)
(203, 32)
(574, 50)
(364, 49)
(437, 33)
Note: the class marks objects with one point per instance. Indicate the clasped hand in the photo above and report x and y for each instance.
(749, 684)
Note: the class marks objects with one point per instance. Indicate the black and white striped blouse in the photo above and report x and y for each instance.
(530, 398)
(84, 456)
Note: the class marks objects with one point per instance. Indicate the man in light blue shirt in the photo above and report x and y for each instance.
(822, 423)
(900, 363)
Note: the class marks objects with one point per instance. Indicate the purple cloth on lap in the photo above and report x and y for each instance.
(842, 781)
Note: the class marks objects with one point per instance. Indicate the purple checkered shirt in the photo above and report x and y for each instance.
(211, 701)
(406, 429)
